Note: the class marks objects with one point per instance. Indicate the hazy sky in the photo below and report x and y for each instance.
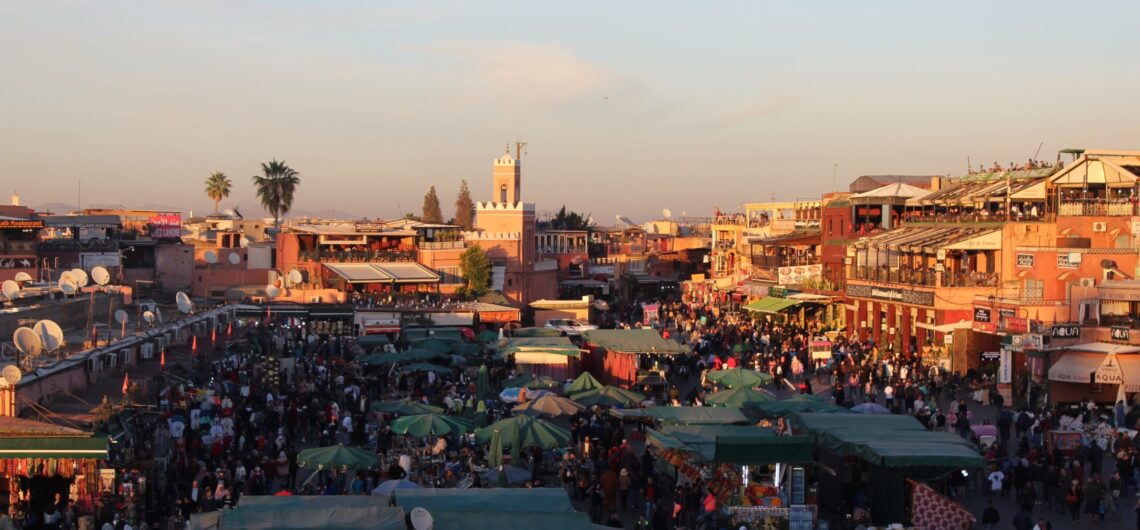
(628, 107)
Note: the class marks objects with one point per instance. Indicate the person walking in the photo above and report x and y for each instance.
(1073, 498)
(990, 516)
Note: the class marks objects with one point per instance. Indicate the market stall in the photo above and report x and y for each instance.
(554, 357)
(626, 356)
(40, 460)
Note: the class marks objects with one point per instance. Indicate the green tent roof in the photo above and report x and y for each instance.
(800, 403)
(555, 345)
(536, 332)
(633, 341)
(890, 441)
(544, 500)
(771, 304)
(296, 514)
(504, 520)
(94, 447)
(687, 415)
(735, 444)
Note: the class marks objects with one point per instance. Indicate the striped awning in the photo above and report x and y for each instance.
(94, 447)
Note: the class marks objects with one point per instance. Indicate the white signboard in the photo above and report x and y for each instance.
(90, 260)
(1005, 367)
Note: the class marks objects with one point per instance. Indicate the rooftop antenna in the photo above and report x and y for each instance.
(1039, 146)
(520, 148)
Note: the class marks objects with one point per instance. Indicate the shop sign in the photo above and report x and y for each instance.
(166, 226)
(368, 227)
(906, 296)
(1033, 341)
(1120, 333)
(1109, 372)
(1005, 312)
(1014, 325)
(1067, 260)
(1005, 367)
(1065, 331)
(991, 355)
(983, 314)
(20, 224)
(18, 262)
(1025, 260)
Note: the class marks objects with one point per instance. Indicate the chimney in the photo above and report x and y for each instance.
(935, 183)
(15, 199)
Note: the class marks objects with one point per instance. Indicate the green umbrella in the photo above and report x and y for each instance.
(337, 456)
(799, 403)
(423, 354)
(525, 431)
(405, 407)
(531, 381)
(431, 425)
(550, 405)
(426, 367)
(583, 383)
(487, 336)
(435, 344)
(481, 414)
(739, 377)
(483, 385)
(610, 396)
(738, 397)
(495, 452)
(375, 359)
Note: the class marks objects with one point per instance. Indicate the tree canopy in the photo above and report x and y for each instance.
(276, 186)
(464, 207)
(431, 211)
(567, 220)
(218, 187)
(476, 270)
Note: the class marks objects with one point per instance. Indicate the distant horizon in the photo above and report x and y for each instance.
(627, 109)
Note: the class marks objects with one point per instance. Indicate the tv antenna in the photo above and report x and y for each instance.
(520, 148)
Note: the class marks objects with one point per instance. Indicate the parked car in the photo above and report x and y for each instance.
(568, 326)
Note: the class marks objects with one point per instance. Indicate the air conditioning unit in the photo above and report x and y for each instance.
(315, 300)
(1100, 226)
(1088, 282)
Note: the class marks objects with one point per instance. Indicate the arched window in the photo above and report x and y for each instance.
(503, 193)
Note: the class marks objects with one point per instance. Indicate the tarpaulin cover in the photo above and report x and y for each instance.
(544, 500)
(296, 514)
(633, 341)
(54, 447)
(742, 444)
(687, 415)
(890, 441)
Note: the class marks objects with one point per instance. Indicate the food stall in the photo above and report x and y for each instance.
(40, 460)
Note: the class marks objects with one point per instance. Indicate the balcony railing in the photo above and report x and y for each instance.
(85, 245)
(356, 256)
(1097, 207)
(442, 245)
(784, 261)
(907, 276)
(969, 279)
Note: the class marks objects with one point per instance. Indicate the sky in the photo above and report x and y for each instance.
(627, 107)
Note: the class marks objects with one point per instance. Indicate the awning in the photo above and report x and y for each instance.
(771, 304)
(809, 297)
(407, 272)
(686, 415)
(358, 273)
(894, 441)
(1130, 365)
(987, 241)
(1075, 367)
(94, 447)
(945, 328)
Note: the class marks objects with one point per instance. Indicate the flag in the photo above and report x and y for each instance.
(932, 511)
(126, 383)
(213, 334)
(162, 358)
(194, 346)
(229, 329)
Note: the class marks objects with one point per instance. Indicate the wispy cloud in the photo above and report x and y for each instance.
(533, 75)
(747, 112)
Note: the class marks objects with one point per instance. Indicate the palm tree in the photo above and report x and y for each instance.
(275, 188)
(218, 187)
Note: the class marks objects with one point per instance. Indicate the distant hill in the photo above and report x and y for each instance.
(248, 208)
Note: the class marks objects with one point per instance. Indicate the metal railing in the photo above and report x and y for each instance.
(907, 276)
(1097, 207)
(356, 256)
(442, 245)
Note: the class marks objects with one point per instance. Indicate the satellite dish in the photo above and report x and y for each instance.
(184, 303)
(210, 256)
(12, 374)
(421, 519)
(295, 277)
(272, 290)
(148, 316)
(100, 275)
(27, 341)
(68, 276)
(81, 278)
(51, 335)
(11, 289)
(121, 316)
(666, 213)
(67, 286)
(230, 213)
(234, 258)
(244, 242)
(23, 277)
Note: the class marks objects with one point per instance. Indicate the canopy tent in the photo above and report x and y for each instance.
(405, 407)
(431, 425)
(610, 396)
(686, 415)
(532, 381)
(735, 444)
(643, 340)
(426, 367)
(550, 405)
(738, 397)
(487, 336)
(583, 383)
(891, 441)
(302, 513)
(91, 447)
(525, 431)
(738, 377)
(1075, 367)
(496, 509)
(799, 403)
(536, 332)
(551, 345)
(337, 456)
(771, 305)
